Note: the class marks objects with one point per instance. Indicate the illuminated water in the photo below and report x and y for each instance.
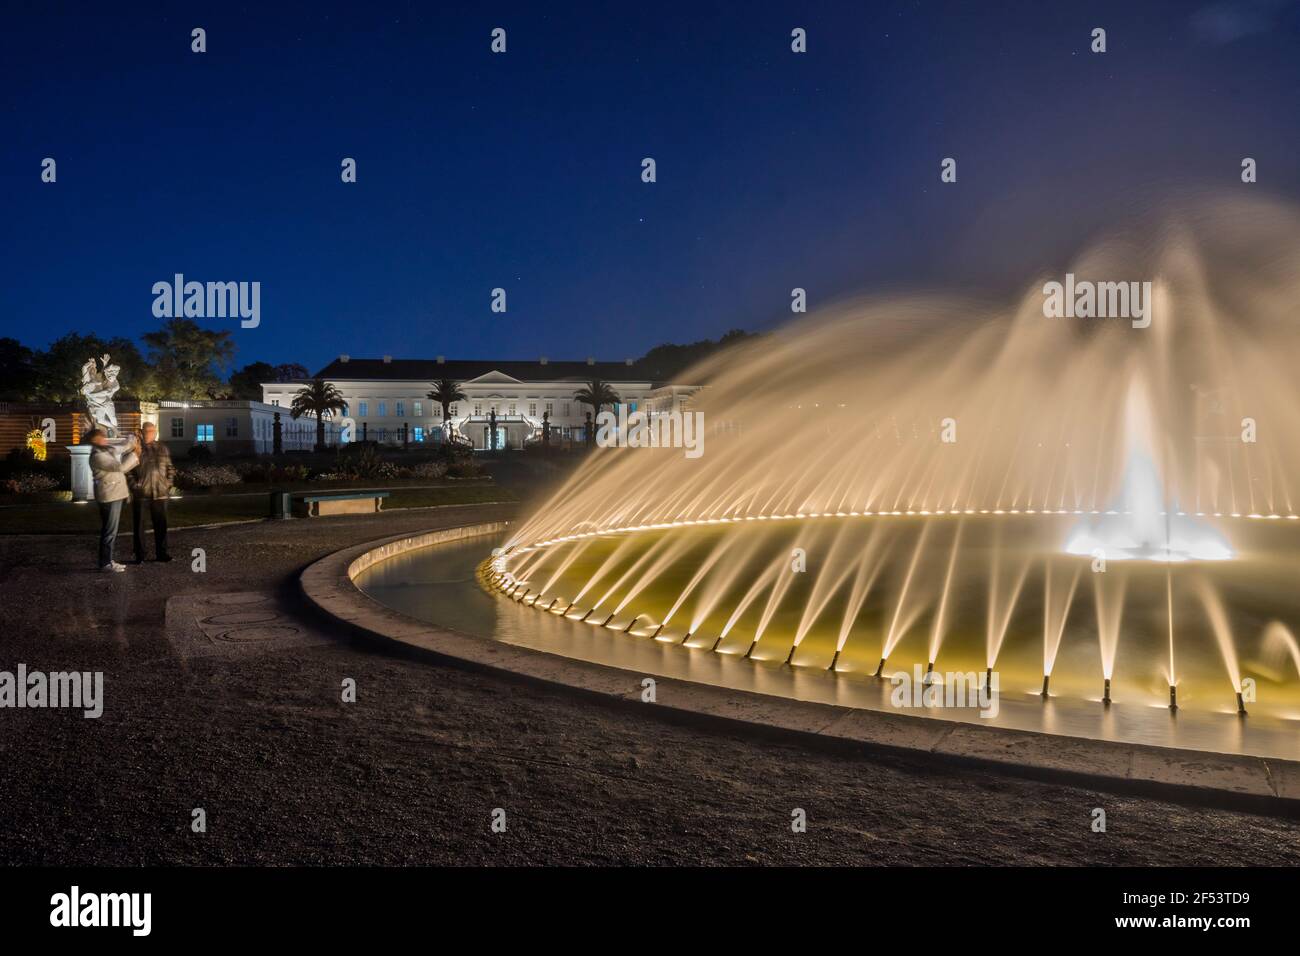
(970, 485)
(439, 585)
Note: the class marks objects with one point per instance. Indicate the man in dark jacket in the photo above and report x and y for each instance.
(153, 485)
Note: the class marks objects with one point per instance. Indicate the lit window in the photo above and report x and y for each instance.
(511, 410)
(178, 428)
(362, 410)
(419, 433)
(419, 409)
(401, 409)
(383, 409)
(451, 409)
(478, 408)
(566, 409)
(532, 409)
(203, 433)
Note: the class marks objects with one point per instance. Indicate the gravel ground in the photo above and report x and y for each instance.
(411, 773)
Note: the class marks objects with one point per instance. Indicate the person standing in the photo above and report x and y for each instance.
(109, 472)
(152, 487)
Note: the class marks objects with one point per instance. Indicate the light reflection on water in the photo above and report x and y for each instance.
(438, 585)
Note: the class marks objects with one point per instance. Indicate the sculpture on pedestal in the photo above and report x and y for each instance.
(98, 386)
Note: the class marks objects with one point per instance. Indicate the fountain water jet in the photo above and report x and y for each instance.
(1055, 614)
(857, 461)
(1222, 633)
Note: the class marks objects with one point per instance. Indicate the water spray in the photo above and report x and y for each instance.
(752, 644)
(567, 609)
(632, 624)
(522, 596)
(587, 615)
(655, 635)
(608, 619)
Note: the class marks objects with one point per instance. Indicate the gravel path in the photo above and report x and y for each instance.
(411, 773)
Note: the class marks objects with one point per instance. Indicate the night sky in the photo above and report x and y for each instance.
(522, 170)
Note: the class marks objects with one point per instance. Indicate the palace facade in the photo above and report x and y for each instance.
(387, 399)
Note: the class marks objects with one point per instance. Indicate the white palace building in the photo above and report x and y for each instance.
(387, 399)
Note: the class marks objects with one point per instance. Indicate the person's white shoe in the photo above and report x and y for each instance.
(113, 566)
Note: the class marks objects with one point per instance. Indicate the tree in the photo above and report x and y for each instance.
(318, 397)
(596, 394)
(446, 393)
(17, 371)
(188, 358)
(664, 362)
(57, 370)
(247, 382)
(291, 372)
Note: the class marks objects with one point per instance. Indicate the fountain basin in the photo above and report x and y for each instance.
(815, 708)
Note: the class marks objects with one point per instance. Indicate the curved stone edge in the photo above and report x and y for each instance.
(1228, 780)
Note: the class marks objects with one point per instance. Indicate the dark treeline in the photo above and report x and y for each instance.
(185, 362)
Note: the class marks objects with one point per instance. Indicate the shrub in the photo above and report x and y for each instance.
(430, 470)
(199, 452)
(464, 468)
(273, 473)
(364, 463)
(207, 476)
(31, 483)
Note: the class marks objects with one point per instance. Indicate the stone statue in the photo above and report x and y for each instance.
(99, 386)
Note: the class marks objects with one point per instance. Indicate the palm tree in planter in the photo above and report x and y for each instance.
(320, 398)
(447, 392)
(597, 394)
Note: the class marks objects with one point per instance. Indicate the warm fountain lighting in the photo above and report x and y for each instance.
(1142, 526)
(981, 486)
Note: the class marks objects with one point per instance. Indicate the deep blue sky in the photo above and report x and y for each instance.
(523, 171)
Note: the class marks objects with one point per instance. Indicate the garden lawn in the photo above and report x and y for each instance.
(197, 509)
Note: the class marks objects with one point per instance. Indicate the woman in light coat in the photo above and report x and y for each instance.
(111, 490)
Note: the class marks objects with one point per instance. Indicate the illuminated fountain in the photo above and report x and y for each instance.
(1057, 505)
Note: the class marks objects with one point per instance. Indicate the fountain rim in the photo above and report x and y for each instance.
(512, 550)
(1256, 784)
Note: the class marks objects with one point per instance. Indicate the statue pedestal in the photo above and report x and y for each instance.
(83, 485)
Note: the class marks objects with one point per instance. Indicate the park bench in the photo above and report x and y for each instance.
(349, 501)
